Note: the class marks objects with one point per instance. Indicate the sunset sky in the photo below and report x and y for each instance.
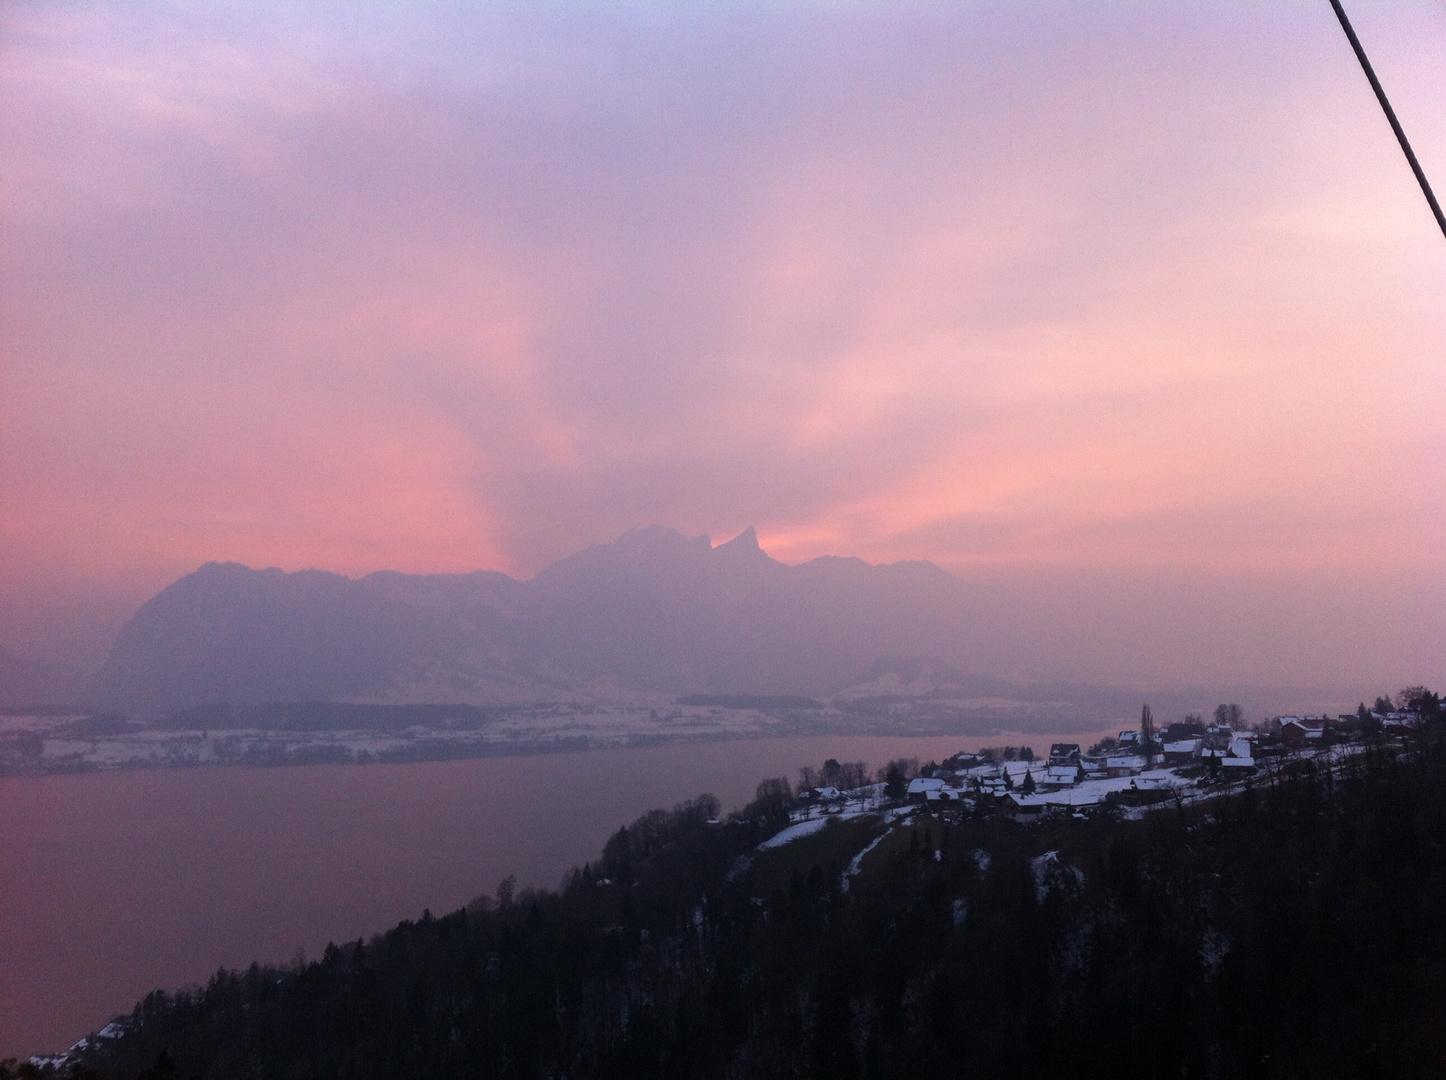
(1132, 308)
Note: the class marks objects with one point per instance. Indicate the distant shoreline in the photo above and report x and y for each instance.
(70, 742)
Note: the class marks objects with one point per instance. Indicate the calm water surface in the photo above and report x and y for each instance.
(114, 884)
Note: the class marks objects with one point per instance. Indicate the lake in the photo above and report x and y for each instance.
(113, 884)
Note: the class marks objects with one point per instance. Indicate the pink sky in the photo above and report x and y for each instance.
(1134, 308)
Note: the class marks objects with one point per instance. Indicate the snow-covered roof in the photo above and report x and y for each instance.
(1182, 746)
(921, 784)
(942, 794)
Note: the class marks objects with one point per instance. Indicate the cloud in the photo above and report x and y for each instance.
(1016, 289)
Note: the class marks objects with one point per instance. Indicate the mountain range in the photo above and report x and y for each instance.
(653, 613)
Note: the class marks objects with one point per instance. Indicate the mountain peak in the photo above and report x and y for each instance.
(745, 543)
(654, 539)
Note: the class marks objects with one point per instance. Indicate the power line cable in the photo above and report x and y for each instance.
(1390, 115)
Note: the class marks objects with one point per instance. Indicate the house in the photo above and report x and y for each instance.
(920, 786)
(1123, 765)
(1064, 753)
(1298, 731)
(1241, 755)
(1182, 751)
(1186, 729)
(1060, 776)
(1025, 807)
(944, 794)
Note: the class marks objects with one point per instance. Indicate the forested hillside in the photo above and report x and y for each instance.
(1295, 930)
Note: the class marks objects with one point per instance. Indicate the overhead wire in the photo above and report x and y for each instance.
(1390, 115)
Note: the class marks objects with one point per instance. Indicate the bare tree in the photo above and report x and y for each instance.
(1231, 716)
(906, 768)
(853, 774)
(506, 890)
(1419, 700)
(807, 779)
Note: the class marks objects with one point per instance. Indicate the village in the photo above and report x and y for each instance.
(1129, 773)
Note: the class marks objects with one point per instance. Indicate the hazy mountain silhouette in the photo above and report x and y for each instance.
(654, 612)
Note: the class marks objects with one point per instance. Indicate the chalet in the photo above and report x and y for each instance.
(1188, 729)
(1063, 753)
(1124, 765)
(1241, 755)
(1060, 776)
(1025, 807)
(1298, 731)
(1182, 751)
(920, 786)
(944, 794)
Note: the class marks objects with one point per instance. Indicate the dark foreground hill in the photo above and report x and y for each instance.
(1296, 930)
(653, 612)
